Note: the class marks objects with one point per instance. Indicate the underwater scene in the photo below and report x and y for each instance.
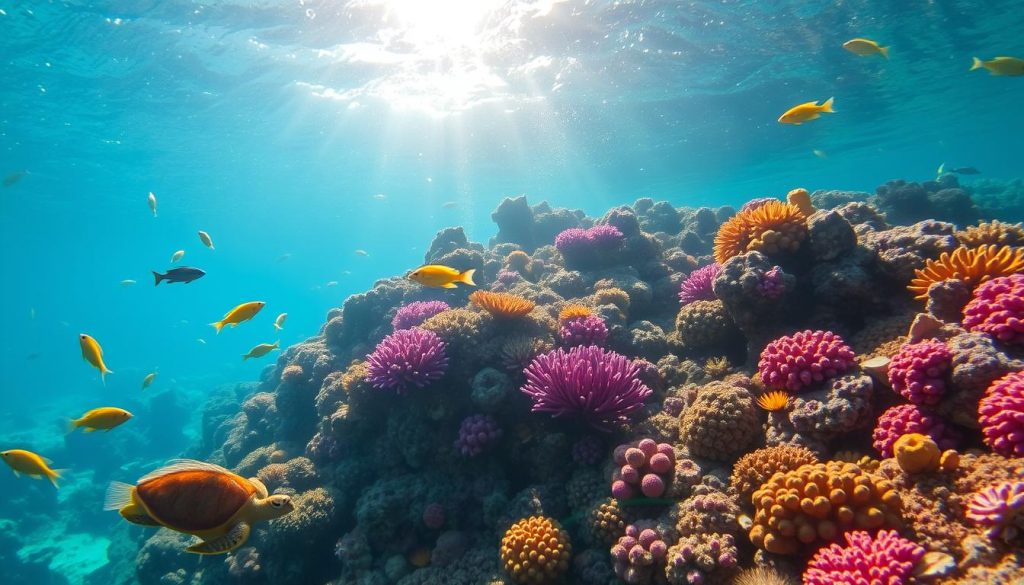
(517, 292)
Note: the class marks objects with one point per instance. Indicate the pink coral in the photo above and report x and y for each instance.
(588, 330)
(1001, 415)
(908, 418)
(645, 465)
(804, 358)
(997, 308)
(1000, 509)
(638, 554)
(697, 286)
(886, 559)
(918, 371)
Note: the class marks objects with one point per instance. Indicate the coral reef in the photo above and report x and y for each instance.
(535, 551)
(407, 358)
(1001, 415)
(997, 308)
(754, 469)
(800, 360)
(885, 558)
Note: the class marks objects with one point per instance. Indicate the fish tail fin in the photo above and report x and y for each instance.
(54, 476)
(976, 64)
(70, 426)
(218, 325)
(277, 343)
(827, 106)
(277, 327)
(467, 277)
(884, 51)
(157, 277)
(245, 357)
(119, 495)
(103, 374)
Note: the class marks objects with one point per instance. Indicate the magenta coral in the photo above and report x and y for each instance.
(406, 358)
(476, 433)
(918, 371)
(646, 466)
(772, 284)
(576, 243)
(605, 237)
(588, 330)
(638, 554)
(1001, 415)
(1000, 509)
(804, 358)
(886, 559)
(997, 308)
(600, 386)
(697, 286)
(417, 312)
(908, 418)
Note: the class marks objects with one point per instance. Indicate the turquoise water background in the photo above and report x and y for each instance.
(299, 132)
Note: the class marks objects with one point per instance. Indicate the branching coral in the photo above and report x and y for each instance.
(886, 558)
(771, 228)
(407, 358)
(502, 305)
(973, 266)
(536, 551)
(755, 468)
(1001, 415)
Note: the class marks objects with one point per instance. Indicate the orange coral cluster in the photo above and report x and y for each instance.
(574, 311)
(991, 232)
(501, 304)
(757, 467)
(971, 265)
(770, 228)
(819, 502)
(535, 551)
(772, 401)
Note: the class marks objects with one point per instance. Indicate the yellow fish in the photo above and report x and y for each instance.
(1010, 66)
(177, 255)
(152, 203)
(100, 419)
(93, 353)
(148, 380)
(205, 239)
(260, 350)
(279, 322)
(865, 48)
(806, 112)
(437, 276)
(241, 313)
(30, 464)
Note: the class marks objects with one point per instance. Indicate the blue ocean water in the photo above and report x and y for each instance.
(323, 143)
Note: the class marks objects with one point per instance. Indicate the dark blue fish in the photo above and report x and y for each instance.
(184, 274)
(965, 171)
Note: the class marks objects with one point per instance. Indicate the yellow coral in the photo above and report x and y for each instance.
(574, 311)
(756, 467)
(502, 304)
(607, 521)
(536, 551)
(717, 367)
(817, 503)
(916, 453)
(973, 266)
(612, 296)
(763, 576)
(770, 228)
(991, 233)
(772, 401)
(802, 199)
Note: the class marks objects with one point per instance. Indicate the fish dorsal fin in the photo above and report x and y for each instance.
(177, 465)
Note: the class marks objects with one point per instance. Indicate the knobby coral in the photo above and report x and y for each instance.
(476, 433)
(535, 551)
(918, 371)
(770, 228)
(755, 468)
(997, 308)
(804, 358)
(502, 305)
(407, 358)
(991, 233)
(1001, 415)
(907, 418)
(886, 558)
(646, 467)
(973, 266)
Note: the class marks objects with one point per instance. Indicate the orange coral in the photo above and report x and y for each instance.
(518, 260)
(991, 232)
(770, 228)
(501, 304)
(971, 265)
(818, 502)
(574, 311)
(802, 199)
(916, 453)
(536, 551)
(756, 467)
(772, 401)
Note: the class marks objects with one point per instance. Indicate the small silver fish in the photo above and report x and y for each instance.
(362, 253)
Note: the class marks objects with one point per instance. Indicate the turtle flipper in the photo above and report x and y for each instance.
(235, 538)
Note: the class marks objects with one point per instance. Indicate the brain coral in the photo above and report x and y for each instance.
(997, 308)
(755, 468)
(770, 228)
(501, 305)
(804, 358)
(721, 422)
(818, 502)
(1001, 415)
(417, 312)
(406, 358)
(536, 551)
(918, 371)
(704, 325)
(600, 386)
(887, 558)
(973, 266)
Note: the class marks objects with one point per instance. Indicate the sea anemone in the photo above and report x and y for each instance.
(574, 311)
(770, 228)
(973, 266)
(502, 305)
(772, 401)
(519, 350)
(999, 509)
(697, 286)
(887, 558)
(417, 312)
(600, 386)
(406, 358)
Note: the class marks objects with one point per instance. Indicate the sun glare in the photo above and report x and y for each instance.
(441, 24)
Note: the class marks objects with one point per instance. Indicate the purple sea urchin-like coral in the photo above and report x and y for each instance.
(600, 386)
(579, 245)
(407, 358)
(918, 371)
(476, 433)
(804, 358)
(998, 309)
(1000, 509)
(908, 418)
(589, 330)
(697, 286)
(605, 237)
(887, 558)
(1001, 415)
(417, 312)
(646, 467)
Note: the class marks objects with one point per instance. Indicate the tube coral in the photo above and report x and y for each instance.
(697, 286)
(406, 358)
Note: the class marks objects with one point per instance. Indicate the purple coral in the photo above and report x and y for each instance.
(697, 286)
(908, 418)
(706, 557)
(577, 244)
(605, 237)
(417, 312)
(887, 558)
(998, 309)
(1001, 415)
(804, 358)
(646, 466)
(588, 330)
(598, 385)
(407, 357)
(476, 433)
(772, 284)
(918, 371)
(1000, 509)
(638, 554)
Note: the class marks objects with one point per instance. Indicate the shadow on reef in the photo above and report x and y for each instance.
(730, 389)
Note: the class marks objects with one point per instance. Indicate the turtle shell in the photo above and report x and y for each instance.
(194, 500)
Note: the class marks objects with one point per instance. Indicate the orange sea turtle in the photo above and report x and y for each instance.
(201, 499)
